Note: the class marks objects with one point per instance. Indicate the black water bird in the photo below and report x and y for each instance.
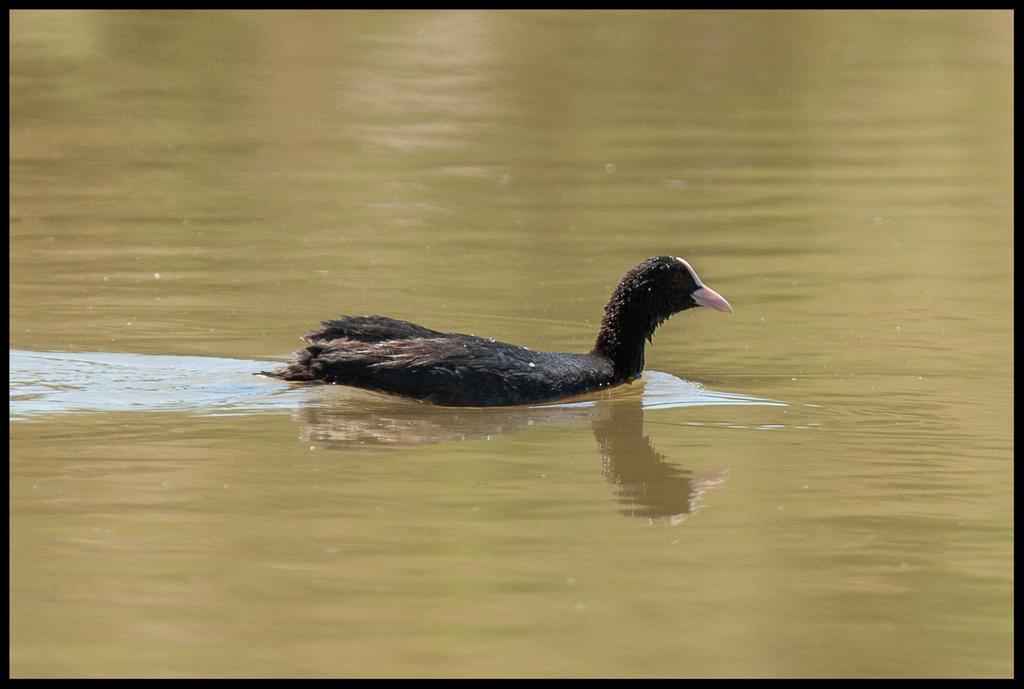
(389, 355)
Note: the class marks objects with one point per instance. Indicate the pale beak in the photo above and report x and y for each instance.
(705, 296)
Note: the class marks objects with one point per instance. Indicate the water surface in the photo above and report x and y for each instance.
(192, 191)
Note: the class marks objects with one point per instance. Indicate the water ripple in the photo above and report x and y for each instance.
(44, 383)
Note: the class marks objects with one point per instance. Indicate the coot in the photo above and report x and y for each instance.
(389, 355)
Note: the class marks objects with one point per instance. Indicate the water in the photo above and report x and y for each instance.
(817, 485)
(108, 382)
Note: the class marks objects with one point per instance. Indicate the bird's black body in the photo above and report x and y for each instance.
(389, 355)
(382, 353)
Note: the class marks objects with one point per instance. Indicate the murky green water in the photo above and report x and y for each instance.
(213, 184)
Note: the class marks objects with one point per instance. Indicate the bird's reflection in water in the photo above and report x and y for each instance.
(647, 485)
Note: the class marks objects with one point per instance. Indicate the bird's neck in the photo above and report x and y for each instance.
(622, 337)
